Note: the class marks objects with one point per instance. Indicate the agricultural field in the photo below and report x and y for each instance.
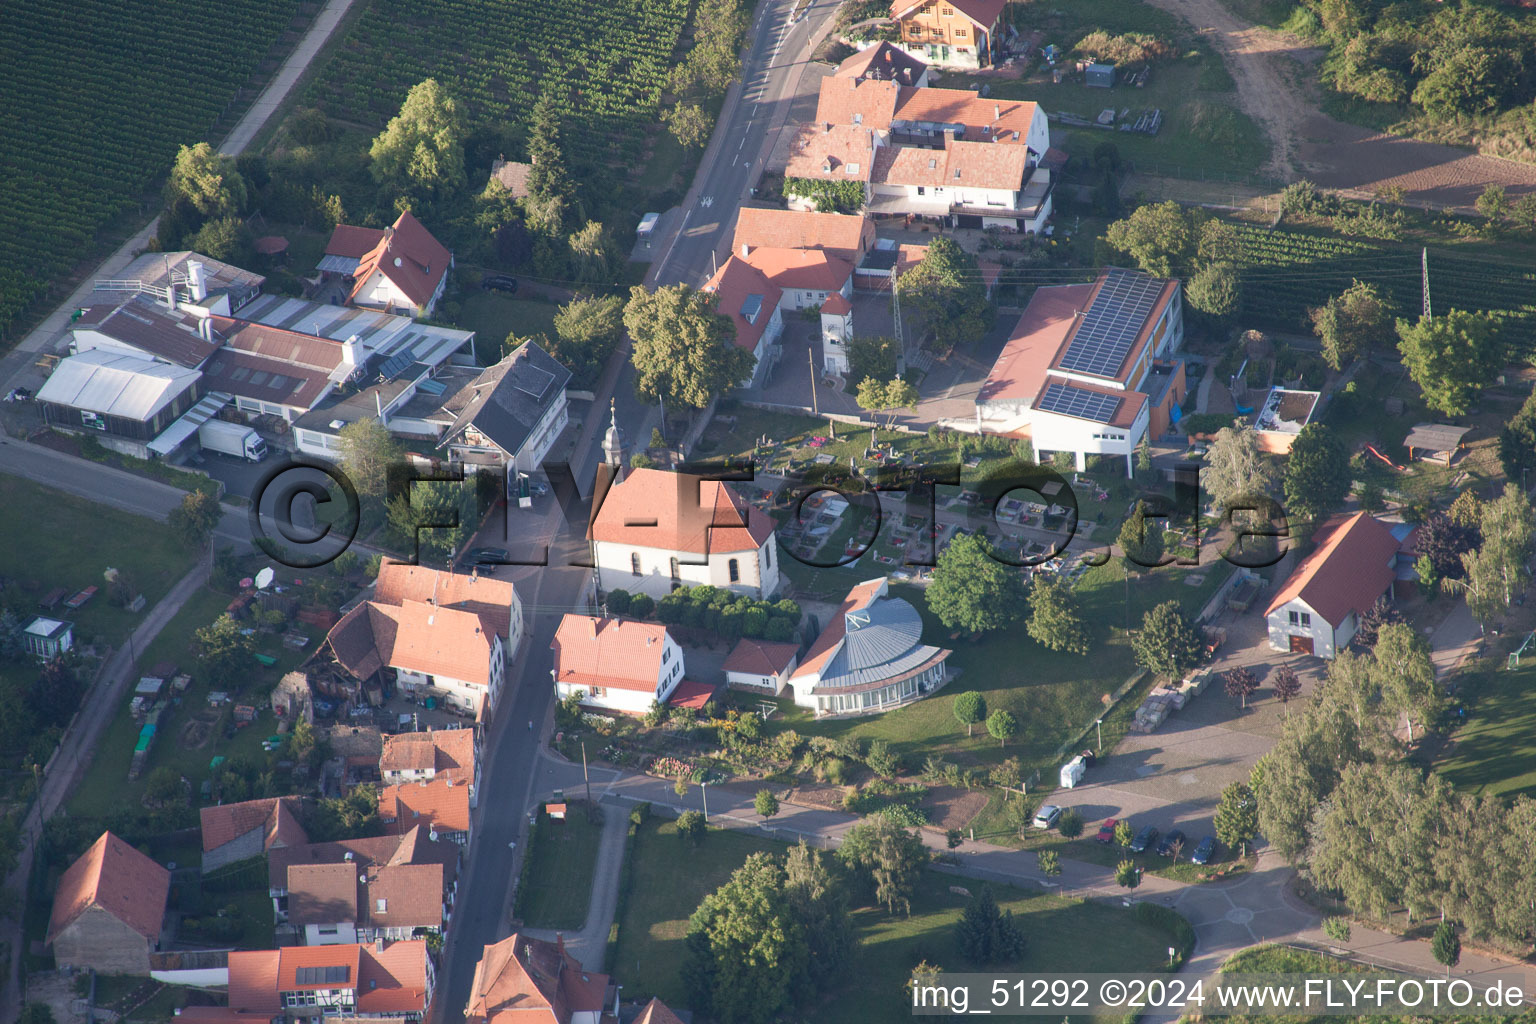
(1285, 271)
(98, 96)
(604, 64)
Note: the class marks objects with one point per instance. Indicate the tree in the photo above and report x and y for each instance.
(972, 591)
(746, 959)
(1381, 613)
(350, 817)
(641, 605)
(421, 150)
(985, 935)
(12, 640)
(766, 804)
(875, 357)
(1002, 726)
(690, 825)
(1124, 833)
(953, 838)
(303, 744)
(1127, 874)
(1452, 357)
(883, 761)
(1446, 945)
(36, 1013)
(1234, 468)
(1467, 510)
(223, 651)
(1493, 203)
(1240, 683)
(819, 901)
(886, 396)
(684, 351)
(224, 238)
(1167, 643)
(680, 787)
(1317, 474)
(163, 786)
(946, 289)
(1141, 538)
(1442, 542)
(1158, 237)
(416, 516)
(1070, 824)
(593, 254)
(1055, 619)
(1406, 675)
(368, 452)
(1287, 686)
(1356, 322)
(551, 196)
(208, 181)
(891, 856)
(1216, 289)
(195, 519)
(689, 125)
(1237, 816)
(1049, 862)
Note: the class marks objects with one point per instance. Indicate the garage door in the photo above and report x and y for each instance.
(1301, 645)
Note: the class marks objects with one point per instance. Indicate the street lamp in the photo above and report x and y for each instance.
(1099, 726)
(704, 791)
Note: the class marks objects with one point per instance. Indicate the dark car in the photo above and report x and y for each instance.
(486, 556)
(499, 282)
(1170, 844)
(1107, 831)
(1204, 852)
(1143, 839)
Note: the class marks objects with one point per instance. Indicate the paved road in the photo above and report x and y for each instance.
(287, 77)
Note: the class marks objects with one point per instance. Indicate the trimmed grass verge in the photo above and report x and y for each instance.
(561, 858)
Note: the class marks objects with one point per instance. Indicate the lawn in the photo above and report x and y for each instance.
(1495, 752)
(1064, 935)
(558, 885)
(105, 787)
(493, 315)
(59, 540)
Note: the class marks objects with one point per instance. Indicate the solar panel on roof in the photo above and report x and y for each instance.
(431, 387)
(1066, 400)
(1111, 323)
(395, 365)
(330, 974)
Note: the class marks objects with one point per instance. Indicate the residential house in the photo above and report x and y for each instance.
(1317, 610)
(760, 666)
(434, 754)
(424, 649)
(829, 152)
(398, 268)
(236, 832)
(442, 806)
(846, 236)
(347, 903)
(46, 639)
(951, 33)
(362, 858)
(657, 1012)
(523, 980)
(1089, 368)
(511, 414)
(869, 657)
(967, 184)
(653, 530)
(932, 118)
(807, 277)
(123, 401)
(753, 304)
(884, 62)
(494, 600)
(108, 909)
(836, 332)
(615, 665)
(372, 981)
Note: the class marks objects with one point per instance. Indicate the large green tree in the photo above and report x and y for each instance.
(1216, 289)
(1406, 675)
(685, 351)
(195, 519)
(1237, 816)
(986, 935)
(886, 396)
(818, 899)
(972, 591)
(1517, 443)
(1055, 618)
(747, 960)
(1354, 323)
(889, 856)
(970, 708)
(1317, 474)
(223, 651)
(1167, 643)
(1235, 469)
(208, 181)
(421, 150)
(1452, 357)
(946, 289)
(587, 331)
(1141, 539)
(1158, 237)
(552, 201)
(368, 451)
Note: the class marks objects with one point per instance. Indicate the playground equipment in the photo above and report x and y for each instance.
(1514, 659)
(1383, 458)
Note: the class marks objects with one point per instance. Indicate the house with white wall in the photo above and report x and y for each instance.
(760, 666)
(522, 978)
(401, 268)
(511, 414)
(430, 651)
(614, 664)
(885, 62)
(753, 304)
(1317, 610)
(653, 531)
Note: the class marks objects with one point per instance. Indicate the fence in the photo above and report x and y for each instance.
(1075, 743)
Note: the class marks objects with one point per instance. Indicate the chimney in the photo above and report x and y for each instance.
(197, 280)
(205, 329)
(593, 624)
(853, 83)
(378, 945)
(350, 350)
(170, 296)
(826, 127)
(997, 111)
(745, 249)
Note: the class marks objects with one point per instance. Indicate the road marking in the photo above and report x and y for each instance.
(743, 142)
(706, 201)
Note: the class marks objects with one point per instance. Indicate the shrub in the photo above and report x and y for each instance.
(881, 760)
(641, 606)
(617, 602)
(1070, 824)
(1170, 921)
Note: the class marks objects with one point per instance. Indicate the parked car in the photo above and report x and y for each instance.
(1204, 852)
(486, 556)
(1170, 844)
(1143, 839)
(499, 282)
(1047, 816)
(1107, 831)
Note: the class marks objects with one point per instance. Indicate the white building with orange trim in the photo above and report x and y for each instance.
(1317, 610)
(615, 664)
(653, 531)
(753, 304)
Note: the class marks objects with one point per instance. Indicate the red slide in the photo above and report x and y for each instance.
(1383, 458)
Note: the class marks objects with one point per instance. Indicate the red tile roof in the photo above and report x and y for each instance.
(117, 878)
(486, 596)
(836, 305)
(409, 257)
(832, 633)
(417, 637)
(353, 243)
(689, 693)
(653, 508)
(760, 657)
(983, 12)
(883, 61)
(592, 651)
(986, 120)
(733, 283)
(253, 980)
(442, 806)
(449, 753)
(1352, 565)
(387, 978)
(840, 234)
(412, 847)
(836, 152)
(278, 816)
(656, 1012)
(322, 893)
(958, 165)
(804, 269)
(865, 103)
(523, 980)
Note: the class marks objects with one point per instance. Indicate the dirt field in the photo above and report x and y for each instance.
(1268, 67)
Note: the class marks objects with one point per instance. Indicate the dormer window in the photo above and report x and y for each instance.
(858, 118)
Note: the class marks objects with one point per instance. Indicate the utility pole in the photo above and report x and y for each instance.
(810, 357)
(1424, 258)
(901, 343)
(704, 791)
(584, 776)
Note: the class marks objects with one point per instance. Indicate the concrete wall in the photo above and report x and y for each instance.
(98, 940)
(252, 844)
